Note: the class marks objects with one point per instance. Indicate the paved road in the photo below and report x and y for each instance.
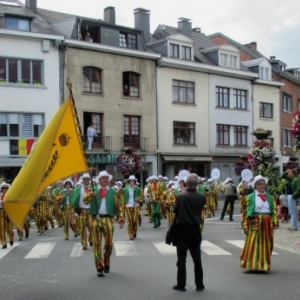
(47, 267)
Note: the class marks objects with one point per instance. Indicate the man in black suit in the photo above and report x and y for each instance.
(188, 209)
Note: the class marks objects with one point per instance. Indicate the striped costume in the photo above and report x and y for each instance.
(260, 223)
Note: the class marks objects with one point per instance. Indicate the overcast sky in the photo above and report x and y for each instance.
(273, 24)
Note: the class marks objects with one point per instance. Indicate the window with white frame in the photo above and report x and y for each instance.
(264, 73)
(228, 60)
(186, 53)
(240, 135)
(174, 50)
(286, 138)
(223, 59)
(21, 71)
(240, 97)
(233, 61)
(287, 103)
(21, 125)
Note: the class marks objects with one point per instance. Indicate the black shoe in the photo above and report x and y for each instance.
(100, 273)
(134, 236)
(46, 228)
(84, 248)
(178, 288)
(91, 244)
(155, 226)
(106, 269)
(20, 240)
(52, 225)
(11, 243)
(158, 224)
(221, 219)
(131, 239)
(231, 220)
(66, 239)
(199, 289)
(4, 247)
(60, 225)
(76, 235)
(26, 235)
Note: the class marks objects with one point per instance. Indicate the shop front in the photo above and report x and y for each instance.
(173, 164)
(10, 167)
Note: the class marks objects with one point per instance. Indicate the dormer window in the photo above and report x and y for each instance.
(18, 24)
(264, 73)
(180, 46)
(186, 52)
(228, 60)
(174, 50)
(128, 40)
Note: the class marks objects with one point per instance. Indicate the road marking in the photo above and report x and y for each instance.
(41, 250)
(125, 249)
(7, 250)
(77, 251)
(164, 249)
(212, 249)
(241, 243)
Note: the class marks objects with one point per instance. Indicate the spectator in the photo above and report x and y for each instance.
(91, 133)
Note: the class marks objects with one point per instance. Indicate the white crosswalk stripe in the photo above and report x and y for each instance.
(212, 249)
(4, 252)
(121, 249)
(41, 250)
(126, 248)
(240, 244)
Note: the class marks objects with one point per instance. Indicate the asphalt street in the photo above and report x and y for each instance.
(47, 267)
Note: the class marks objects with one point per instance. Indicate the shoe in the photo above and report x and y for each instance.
(178, 288)
(131, 239)
(106, 269)
(231, 220)
(52, 225)
(76, 235)
(4, 247)
(155, 226)
(11, 243)
(221, 219)
(91, 244)
(26, 235)
(60, 225)
(213, 215)
(100, 273)
(199, 289)
(46, 228)
(134, 236)
(293, 229)
(20, 240)
(158, 224)
(66, 239)
(84, 248)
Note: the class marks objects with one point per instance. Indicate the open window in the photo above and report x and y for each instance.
(89, 33)
(131, 84)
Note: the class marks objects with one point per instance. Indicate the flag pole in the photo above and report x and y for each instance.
(69, 84)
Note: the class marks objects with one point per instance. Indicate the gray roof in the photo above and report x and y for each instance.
(201, 41)
(38, 24)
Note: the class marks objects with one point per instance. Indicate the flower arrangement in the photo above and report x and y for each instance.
(260, 130)
(241, 165)
(295, 132)
(128, 163)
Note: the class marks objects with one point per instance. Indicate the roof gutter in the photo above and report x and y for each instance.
(32, 35)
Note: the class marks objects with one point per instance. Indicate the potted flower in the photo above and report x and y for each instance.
(261, 133)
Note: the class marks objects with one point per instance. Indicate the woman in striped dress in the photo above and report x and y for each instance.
(259, 221)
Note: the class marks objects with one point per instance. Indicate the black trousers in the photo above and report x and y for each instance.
(189, 238)
(228, 199)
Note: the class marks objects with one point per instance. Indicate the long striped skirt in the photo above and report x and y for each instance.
(259, 242)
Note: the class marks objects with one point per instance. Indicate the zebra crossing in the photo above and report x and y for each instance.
(42, 250)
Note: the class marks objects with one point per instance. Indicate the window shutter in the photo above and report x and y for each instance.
(26, 126)
(13, 119)
(3, 118)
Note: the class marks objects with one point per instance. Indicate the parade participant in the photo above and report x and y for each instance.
(26, 228)
(155, 193)
(57, 198)
(68, 194)
(210, 190)
(5, 224)
(133, 196)
(293, 195)
(104, 207)
(200, 188)
(243, 190)
(147, 200)
(40, 212)
(164, 184)
(259, 220)
(230, 196)
(82, 195)
(170, 203)
(49, 208)
(188, 208)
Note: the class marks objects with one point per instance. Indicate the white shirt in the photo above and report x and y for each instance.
(81, 203)
(260, 205)
(91, 132)
(102, 210)
(131, 202)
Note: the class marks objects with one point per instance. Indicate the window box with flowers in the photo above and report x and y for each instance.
(262, 134)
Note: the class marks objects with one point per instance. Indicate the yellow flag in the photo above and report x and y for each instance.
(57, 154)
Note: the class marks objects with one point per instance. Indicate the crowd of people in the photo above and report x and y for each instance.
(91, 206)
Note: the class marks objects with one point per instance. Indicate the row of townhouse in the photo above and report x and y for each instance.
(183, 99)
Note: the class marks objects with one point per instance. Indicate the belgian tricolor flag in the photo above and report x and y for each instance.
(21, 147)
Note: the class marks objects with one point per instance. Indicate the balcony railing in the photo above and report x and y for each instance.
(135, 142)
(98, 143)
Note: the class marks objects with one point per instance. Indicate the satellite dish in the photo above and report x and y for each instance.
(215, 174)
(247, 175)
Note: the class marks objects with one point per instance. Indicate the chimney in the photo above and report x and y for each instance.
(110, 15)
(197, 29)
(142, 22)
(31, 4)
(252, 45)
(185, 26)
(272, 57)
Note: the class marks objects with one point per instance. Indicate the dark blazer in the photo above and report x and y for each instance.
(188, 208)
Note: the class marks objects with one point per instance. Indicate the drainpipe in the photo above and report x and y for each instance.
(62, 56)
(157, 139)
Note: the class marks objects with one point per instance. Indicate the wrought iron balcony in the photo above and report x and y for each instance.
(98, 143)
(137, 143)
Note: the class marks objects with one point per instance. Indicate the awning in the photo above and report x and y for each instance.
(188, 158)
